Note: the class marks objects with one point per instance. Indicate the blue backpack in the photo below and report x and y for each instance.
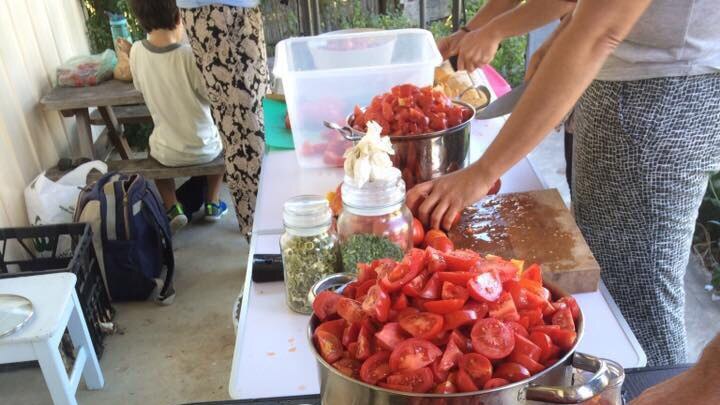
(131, 236)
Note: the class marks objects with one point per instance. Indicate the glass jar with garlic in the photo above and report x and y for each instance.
(375, 222)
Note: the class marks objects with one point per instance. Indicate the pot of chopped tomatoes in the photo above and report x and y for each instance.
(430, 132)
(450, 328)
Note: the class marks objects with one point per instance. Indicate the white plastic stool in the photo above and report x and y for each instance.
(56, 307)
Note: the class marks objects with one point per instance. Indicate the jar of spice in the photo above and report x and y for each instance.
(375, 222)
(309, 248)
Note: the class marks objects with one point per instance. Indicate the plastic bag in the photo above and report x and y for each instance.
(122, 69)
(53, 202)
(87, 70)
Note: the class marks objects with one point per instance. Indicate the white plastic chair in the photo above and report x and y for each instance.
(56, 307)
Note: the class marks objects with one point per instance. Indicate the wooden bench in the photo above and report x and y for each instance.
(125, 114)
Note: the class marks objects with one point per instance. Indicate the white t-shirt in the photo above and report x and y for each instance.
(175, 94)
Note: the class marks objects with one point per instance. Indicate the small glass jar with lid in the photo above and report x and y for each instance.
(375, 223)
(309, 248)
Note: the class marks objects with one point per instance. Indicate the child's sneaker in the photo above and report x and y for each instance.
(177, 218)
(213, 212)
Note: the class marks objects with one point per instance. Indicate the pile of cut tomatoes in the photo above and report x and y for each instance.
(411, 110)
(444, 322)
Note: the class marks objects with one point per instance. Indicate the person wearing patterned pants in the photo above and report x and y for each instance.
(644, 150)
(229, 47)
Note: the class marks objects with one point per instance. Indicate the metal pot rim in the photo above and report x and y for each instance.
(554, 290)
(407, 138)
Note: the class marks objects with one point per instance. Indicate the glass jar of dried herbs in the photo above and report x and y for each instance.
(309, 248)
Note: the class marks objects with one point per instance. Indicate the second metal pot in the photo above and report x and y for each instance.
(423, 157)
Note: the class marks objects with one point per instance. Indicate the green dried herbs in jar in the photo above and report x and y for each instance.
(364, 248)
(309, 248)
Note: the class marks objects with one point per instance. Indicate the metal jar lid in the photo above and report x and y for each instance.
(15, 311)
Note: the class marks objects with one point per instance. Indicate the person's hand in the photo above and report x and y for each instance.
(449, 45)
(438, 202)
(690, 387)
(477, 49)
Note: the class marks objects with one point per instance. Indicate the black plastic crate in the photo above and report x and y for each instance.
(43, 248)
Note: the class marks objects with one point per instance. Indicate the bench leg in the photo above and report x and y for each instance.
(82, 119)
(55, 375)
(115, 132)
(81, 338)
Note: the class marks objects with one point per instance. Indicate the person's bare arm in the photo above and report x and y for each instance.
(449, 45)
(478, 47)
(542, 50)
(570, 65)
(697, 386)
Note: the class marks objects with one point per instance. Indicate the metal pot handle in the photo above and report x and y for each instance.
(331, 281)
(575, 395)
(345, 131)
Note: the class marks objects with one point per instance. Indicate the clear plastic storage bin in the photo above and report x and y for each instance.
(325, 76)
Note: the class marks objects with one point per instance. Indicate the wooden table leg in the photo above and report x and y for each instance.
(115, 132)
(82, 119)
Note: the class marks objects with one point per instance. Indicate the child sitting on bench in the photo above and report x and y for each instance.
(165, 72)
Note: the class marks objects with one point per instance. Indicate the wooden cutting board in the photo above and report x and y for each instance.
(536, 227)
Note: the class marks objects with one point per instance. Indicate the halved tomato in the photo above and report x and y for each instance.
(485, 287)
(325, 304)
(456, 319)
(453, 291)
(329, 346)
(504, 308)
(435, 260)
(433, 234)
(492, 338)
(390, 336)
(423, 325)
(456, 277)
(450, 357)
(446, 387)
(420, 380)
(365, 272)
(443, 307)
(461, 260)
(512, 372)
(442, 244)
(377, 304)
(350, 310)
(465, 382)
(336, 327)
(413, 354)
(495, 383)
(477, 366)
(415, 286)
(364, 344)
(375, 368)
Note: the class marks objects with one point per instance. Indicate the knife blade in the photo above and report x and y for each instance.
(503, 105)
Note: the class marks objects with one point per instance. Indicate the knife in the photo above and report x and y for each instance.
(503, 105)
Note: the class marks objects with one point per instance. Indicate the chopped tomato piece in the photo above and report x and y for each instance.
(350, 334)
(564, 319)
(480, 308)
(505, 269)
(350, 310)
(456, 277)
(442, 244)
(444, 306)
(485, 287)
(523, 298)
(375, 368)
(465, 382)
(329, 346)
(364, 348)
(325, 304)
(518, 329)
(413, 354)
(564, 338)
(461, 260)
(478, 367)
(492, 338)
(525, 346)
(534, 272)
(446, 387)
(495, 383)
(400, 303)
(435, 260)
(456, 319)
(512, 372)
(415, 286)
(532, 365)
(420, 380)
(462, 342)
(349, 367)
(573, 305)
(362, 290)
(423, 325)
(390, 336)
(377, 303)
(504, 309)
(450, 357)
(431, 291)
(544, 342)
(336, 327)
(453, 291)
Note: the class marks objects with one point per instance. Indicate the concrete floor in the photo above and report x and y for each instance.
(167, 355)
(182, 353)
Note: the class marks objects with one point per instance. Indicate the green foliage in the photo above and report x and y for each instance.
(98, 25)
(709, 218)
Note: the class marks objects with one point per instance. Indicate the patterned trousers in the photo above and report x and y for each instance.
(642, 156)
(229, 48)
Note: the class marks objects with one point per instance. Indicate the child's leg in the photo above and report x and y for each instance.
(166, 187)
(214, 184)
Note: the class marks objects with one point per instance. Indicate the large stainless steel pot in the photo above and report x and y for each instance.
(423, 157)
(550, 386)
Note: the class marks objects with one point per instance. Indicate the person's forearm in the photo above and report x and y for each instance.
(709, 362)
(490, 10)
(568, 68)
(530, 15)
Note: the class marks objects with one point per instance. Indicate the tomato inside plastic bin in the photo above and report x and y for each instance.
(331, 147)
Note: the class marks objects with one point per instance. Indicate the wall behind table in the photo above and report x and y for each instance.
(35, 37)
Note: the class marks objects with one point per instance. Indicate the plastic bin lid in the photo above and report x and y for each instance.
(349, 51)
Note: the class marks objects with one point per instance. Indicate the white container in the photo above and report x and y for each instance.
(325, 76)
